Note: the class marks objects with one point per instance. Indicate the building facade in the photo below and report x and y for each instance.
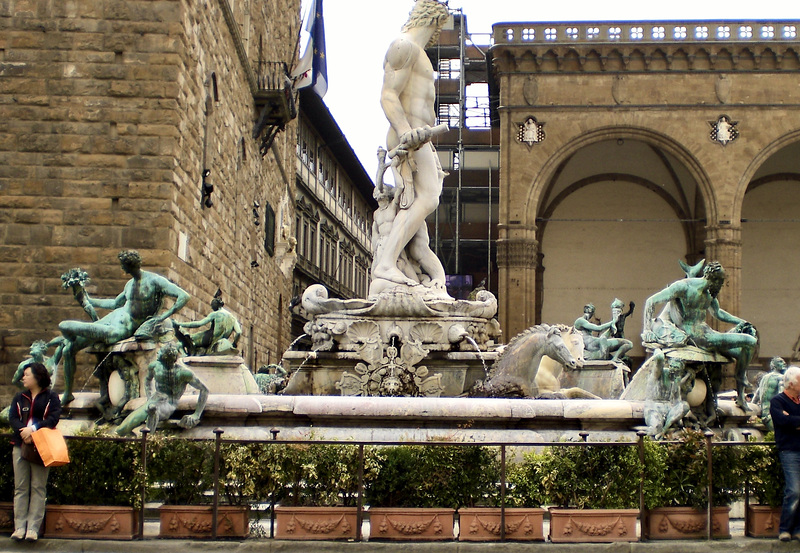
(158, 126)
(333, 209)
(626, 147)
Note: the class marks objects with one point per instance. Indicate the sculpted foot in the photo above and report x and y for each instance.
(392, 274)
(67, 398)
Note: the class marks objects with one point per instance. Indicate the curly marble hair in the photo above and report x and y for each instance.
(428, 13)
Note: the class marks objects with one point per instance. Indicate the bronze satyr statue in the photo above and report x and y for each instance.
(682, 322)
(170, 384)
(139, 303)
(222, 336)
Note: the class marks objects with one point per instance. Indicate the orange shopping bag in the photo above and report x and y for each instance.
(51, 446)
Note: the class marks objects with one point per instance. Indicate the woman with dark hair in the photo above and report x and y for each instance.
(31, 409)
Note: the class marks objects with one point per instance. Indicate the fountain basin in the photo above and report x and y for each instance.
(392, 419)
(319, 373)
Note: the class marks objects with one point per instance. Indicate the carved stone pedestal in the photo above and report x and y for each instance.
(602, 378)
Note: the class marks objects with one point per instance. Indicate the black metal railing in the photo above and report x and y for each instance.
(219, 442)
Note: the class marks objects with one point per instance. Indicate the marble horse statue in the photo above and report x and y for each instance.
(514, 372)
(547, 376)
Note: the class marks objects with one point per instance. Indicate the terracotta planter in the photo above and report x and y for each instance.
(6, 517)
(316, 523)
(194, 521)
(483, 524)
(686, 523)
(762, 521)
(95, 522)
(592, 525)
(409, 524)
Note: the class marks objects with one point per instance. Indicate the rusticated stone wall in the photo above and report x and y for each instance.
(109, 112)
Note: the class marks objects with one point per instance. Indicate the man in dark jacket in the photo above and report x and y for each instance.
(785, 412)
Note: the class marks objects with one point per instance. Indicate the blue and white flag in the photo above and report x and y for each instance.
(312, 69)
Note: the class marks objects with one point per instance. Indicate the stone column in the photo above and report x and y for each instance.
(516, 261)
(724, 244)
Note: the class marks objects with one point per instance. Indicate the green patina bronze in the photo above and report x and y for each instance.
(682, 322)
(170, 384)
(222, 336)
(771, 385)
(135, 310)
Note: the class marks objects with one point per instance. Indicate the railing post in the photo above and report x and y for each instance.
(710, 506)
(584, 435)
(643, 514)
(360, 496)
(274, 431)
(145, 432)
(746, 434)
(502, 493)
(218, 433)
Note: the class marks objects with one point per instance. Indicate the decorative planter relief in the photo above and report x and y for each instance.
(762, 521)
(483, 524)
(6, 517)
(686, 523)
(316, 523)
(592, 525)
(195, 521)
(97, 522)
(411, 524)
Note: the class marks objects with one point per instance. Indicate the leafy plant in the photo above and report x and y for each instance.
(321, 474)
(525, 487)
(180, 471)
(248, 472)
(435, 476)
(763, 467)
(100, 472)
(591, 477)
(6, 469)
(678, 476)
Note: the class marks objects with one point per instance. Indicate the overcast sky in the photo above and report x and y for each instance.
(359, 31)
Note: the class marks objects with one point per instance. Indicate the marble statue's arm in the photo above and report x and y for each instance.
(194, 324)
(175, 291)
(398, 67)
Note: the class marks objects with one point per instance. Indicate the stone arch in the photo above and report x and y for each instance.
(571, 146)
(766, 211)
(759, 160)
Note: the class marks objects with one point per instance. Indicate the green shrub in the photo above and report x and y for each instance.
(322, 474)
(180, 471)
(248, 473)
(591, 477)
(435, 476)
(763, 467)
(100, 472)
(524, 479)
(678, 476)
(6, 469)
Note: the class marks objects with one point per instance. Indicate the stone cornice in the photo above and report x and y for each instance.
(724, 46)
